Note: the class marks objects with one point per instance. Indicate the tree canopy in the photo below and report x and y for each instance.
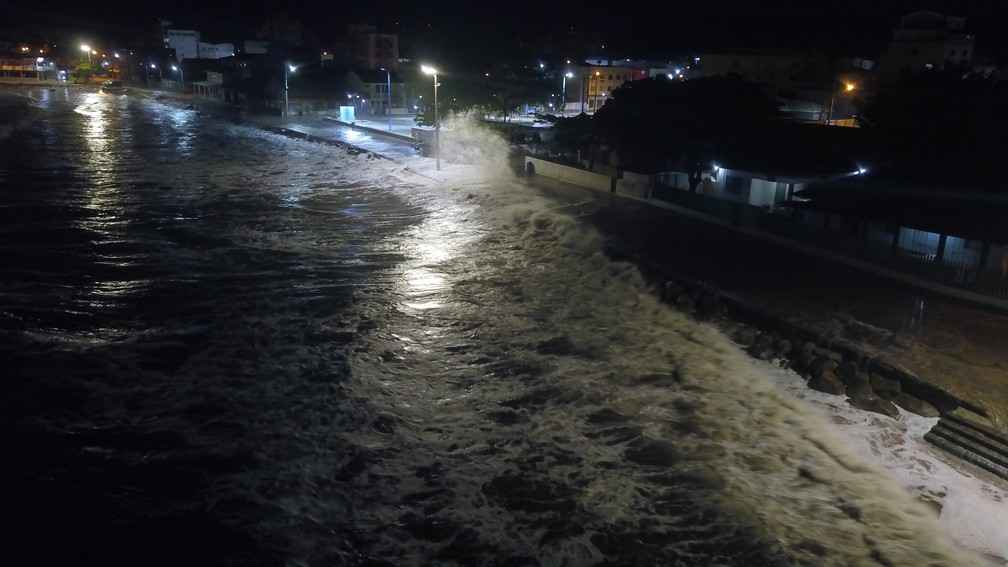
(659, 124)
(942, 127)
(499, 91)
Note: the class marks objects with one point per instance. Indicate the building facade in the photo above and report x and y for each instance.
(216, 50)
(599, 81)
(186, 43)
(368, 49)
(925, 40)
(784, 70)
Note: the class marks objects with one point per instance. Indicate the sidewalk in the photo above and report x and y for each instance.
(363, 136)
(398, 126)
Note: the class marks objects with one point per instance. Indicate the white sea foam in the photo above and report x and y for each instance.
(805, 463)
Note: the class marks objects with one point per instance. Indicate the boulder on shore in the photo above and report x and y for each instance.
(875, 404)
(860, 387)
(826, 382)
(885, 387)
(915, 405)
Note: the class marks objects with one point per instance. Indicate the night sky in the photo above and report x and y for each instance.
(855, 27)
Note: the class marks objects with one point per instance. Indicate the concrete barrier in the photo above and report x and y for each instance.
(568, 174)
(634, 186)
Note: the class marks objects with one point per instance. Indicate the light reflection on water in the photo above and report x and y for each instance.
(435, 242)
(916, 319)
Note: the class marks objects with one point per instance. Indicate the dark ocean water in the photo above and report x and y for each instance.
(224, 347)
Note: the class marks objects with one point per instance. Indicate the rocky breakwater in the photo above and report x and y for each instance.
(842, 369)
(825, 366)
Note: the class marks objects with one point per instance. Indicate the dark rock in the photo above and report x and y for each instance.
(827, 382)
(847, 371)
(807, 350)
(860, 387)
(822, 364)
(762, 348)
(685, 303)
(885, 387)
(784, 347)
(672, 290)
(746, 336)
(830, 354)
(708, 306)
(875, 404)
(915, 405)
(804, 357)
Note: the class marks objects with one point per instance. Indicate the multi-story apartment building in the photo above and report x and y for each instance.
(283, 29)
(186, 43)
(368, 49)
(925, 40)
(784, 70)
(598, 83)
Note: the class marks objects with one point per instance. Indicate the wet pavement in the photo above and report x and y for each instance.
(369, 135)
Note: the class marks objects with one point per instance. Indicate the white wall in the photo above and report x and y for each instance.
(184, 42)
(761, 192)
(216, 50)
(962, 250)
(570, 174)
(919, 241)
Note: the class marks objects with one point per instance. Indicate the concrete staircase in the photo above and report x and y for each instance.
(969, 436)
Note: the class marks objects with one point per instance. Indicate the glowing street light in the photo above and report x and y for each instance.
(848, 87)
(181, 74)
(563, 96)
(159, 75)
(437, 121)
(593, 100)
(88, 50)
(389, 88)
(287, 71)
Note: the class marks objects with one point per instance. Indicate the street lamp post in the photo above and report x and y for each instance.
(389, 88)
(593, 99)
(88, 50)
(181, 74)
(146, 73)
(848, 87)
(582, 93)
(563, 95)
(437, 121)
(159, 75)
(287, 71)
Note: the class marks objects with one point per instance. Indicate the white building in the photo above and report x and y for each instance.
(215, 50)
(186, 43)
(925, 40)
